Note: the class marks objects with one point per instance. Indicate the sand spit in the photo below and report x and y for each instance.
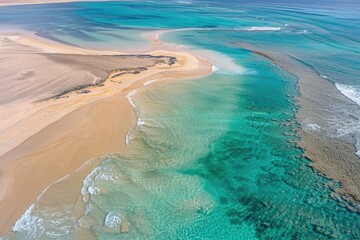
(62, 105)
(322, 108)
(51, 75)
(31, 74)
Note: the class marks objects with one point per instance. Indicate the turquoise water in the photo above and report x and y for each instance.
(215, 157)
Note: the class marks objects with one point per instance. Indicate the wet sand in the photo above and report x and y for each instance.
(320, 103)
(53, 127)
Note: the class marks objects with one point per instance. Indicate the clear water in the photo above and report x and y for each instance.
(216, 157)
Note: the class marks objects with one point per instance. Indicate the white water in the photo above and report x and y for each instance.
(312, 127)
(87, 187)
(221, 63)
(127, 138)
(264, 29)
(323, 76)
(260, 28)
(150, 82)
(351, 92)
(357, 145)
(113, 220)
(214, 68)
(129, 97)
(29, 223)
(139, 122)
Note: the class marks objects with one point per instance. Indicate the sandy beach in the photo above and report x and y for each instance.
(62, 106)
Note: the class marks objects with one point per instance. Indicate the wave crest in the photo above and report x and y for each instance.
(351, 92)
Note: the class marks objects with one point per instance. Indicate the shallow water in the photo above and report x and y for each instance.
(216, 157)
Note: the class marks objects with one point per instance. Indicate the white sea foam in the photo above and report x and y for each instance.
(312, 127)
(34, 223)
(108, 176)
(46, 223)
(30, 224)
(89, 207)
(107, 173)
(351, 92)
(130, 95)
(140, 122)
(221, 63)
(350, 127)
(88, 184)
(258, 28)
(150, 82)
(345, 128)
(127, 138)
(323, 76)
(59, 223)
(357, 145)
(264, 29)
(93, 190)
(113, 220)
(214, 68)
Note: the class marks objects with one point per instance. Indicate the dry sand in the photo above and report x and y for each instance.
(47, 132)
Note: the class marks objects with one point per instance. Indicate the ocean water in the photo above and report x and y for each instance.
(213, 157)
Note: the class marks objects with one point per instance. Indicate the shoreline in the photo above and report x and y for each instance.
(329, 155)
(70, 130)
